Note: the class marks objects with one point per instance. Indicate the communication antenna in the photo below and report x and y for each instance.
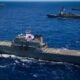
(62, 10)
(29, 31)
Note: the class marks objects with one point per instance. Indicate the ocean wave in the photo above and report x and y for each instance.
(31, 69)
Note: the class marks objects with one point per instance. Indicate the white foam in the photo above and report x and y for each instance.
(35, 75)
(7, 56)
(3, 66)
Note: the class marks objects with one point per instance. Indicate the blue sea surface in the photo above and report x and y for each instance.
(17, 17)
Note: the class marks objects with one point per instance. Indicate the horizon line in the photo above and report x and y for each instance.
(39, 1)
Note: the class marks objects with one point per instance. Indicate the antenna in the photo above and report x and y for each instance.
(28, 30)
(62, 11)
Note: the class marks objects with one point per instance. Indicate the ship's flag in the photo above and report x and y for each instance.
(29, 37)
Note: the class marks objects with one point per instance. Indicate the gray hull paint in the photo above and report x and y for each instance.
(40, 55)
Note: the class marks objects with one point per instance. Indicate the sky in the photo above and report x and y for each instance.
(40, 0)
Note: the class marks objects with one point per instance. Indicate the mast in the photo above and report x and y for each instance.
(29, 31)
(62, 11)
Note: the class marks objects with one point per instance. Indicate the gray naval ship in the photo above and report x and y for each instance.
(61, 14)
(32, 46)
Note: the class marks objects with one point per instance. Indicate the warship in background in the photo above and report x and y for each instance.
(64, 15)
(32, 46)
(76, 9)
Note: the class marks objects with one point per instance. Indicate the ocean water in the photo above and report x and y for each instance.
(17, 17)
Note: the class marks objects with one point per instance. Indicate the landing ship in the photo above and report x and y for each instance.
(32, 46)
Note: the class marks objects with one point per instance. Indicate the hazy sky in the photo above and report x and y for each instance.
(39, 0)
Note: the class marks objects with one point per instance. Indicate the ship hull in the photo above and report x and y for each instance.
(43, 55)
(58, 16)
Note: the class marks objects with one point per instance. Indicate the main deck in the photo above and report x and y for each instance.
(62, 51)
(57, 51)
(5, 43)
